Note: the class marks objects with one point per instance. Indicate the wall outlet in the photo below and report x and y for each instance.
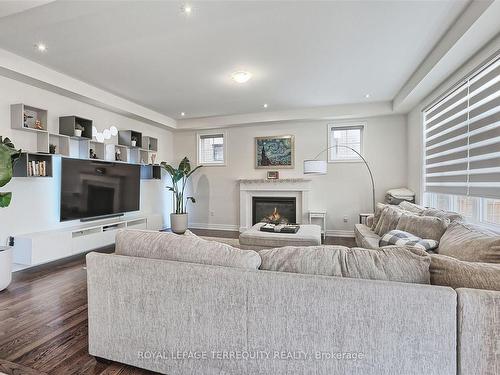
(346, 219)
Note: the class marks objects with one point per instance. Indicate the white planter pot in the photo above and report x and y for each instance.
(133, 143)
(178, 223)
(78, 132)
(5, 267)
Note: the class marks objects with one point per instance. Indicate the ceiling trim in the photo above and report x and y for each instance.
(473, 29)
(340, 111)
(24, 70)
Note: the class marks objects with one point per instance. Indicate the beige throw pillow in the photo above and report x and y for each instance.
(189, 248)
(470, 243)
(456, 273)
(423, 226)
(388, 220)
(376, 216)
(412, 207)
(404, 264)
(451, 216)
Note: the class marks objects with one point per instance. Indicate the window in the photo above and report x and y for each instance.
(462, 147)
(342, 138)
(211, 149)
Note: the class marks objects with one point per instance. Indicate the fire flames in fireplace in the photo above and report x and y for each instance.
(275, 218)
(274, 210)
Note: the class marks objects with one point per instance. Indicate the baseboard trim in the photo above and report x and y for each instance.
(229, 227)
(339, 233)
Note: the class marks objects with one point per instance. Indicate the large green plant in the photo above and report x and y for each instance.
(8, 156)
(179, 178)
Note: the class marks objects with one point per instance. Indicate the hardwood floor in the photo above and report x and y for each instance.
(43, 320)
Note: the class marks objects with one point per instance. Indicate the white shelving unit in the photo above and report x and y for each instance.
(36, 248)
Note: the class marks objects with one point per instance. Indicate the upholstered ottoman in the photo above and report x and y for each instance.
(255, 239)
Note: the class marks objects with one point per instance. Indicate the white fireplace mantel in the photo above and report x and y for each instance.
(290, 187)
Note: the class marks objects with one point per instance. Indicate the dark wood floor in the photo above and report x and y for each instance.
(43, 320)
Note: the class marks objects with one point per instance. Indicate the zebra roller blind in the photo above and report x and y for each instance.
(462, 137)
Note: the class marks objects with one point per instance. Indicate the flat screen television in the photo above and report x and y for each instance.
(95, 189)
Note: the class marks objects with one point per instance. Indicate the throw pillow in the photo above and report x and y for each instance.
(401, 238)
(404, 264)
(451, 216)
(412, 207)
(183, 248)
(388, 220)
(376, 216)
(447, 271)
(470, 243)
(423, 226)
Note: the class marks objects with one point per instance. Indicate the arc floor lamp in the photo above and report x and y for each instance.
(318, 166)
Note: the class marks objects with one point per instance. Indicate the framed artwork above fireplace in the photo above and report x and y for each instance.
(275, 152)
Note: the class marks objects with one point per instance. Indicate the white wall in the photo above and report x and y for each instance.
(414, 117)
(344, 191)
(35, 203)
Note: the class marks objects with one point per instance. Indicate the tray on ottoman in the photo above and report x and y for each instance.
(255, 239)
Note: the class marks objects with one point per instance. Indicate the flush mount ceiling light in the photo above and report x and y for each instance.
(265, 105)
(183, 114)
(41, 47)
(241, 76)
(367, 96)
(187, 9)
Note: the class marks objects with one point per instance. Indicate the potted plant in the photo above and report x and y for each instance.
(179, 176)
(133, 142)
(78, 130)
(8, 156)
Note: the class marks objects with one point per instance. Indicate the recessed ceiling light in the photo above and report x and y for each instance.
(186, 9)
(367, 96)
(183, 114)
(241, 76)
(41, 47)
(265, 105)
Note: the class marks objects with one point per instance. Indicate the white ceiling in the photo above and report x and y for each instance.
(302, 54)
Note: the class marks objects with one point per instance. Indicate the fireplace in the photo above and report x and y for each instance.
(276, 210)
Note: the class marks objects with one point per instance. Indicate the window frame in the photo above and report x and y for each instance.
(330, 127)
(214, 133)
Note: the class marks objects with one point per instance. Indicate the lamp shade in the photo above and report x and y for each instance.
(315, 166)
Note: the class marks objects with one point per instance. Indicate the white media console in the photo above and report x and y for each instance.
(42, 247)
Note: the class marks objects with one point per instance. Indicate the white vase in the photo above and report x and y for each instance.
(179, 223)
(5, 267)
(78, 132)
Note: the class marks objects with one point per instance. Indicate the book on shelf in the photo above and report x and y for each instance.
(37, 168)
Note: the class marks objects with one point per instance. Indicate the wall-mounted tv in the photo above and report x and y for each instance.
(94, 189)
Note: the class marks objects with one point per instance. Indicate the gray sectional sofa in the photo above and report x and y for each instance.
(181, 305)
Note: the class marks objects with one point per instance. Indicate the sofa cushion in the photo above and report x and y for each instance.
(451, 216)
(365, 237)
(189, 248)
(402, 238)
(404, 264)
(423, 226)
(470, 243)
(447, 271)
(376, 216)
(389, 219)
(412, 207)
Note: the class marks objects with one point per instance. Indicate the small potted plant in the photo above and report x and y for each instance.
(8, 156)
(179, 176)
(78, 130)
(52, 148)
(133, 141)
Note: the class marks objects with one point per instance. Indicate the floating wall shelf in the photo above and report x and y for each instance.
(67, 126)
(125, 138)
(33, 165)
(19, 111)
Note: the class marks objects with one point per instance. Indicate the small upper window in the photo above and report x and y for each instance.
(211, 149)
(342, 139)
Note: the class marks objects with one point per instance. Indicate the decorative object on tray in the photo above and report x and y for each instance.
(179, 176)
(396, 196)
(52, 149)
(273, 175)
(78, 130)
(8, 156)
(280, 228)
(275, 152)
